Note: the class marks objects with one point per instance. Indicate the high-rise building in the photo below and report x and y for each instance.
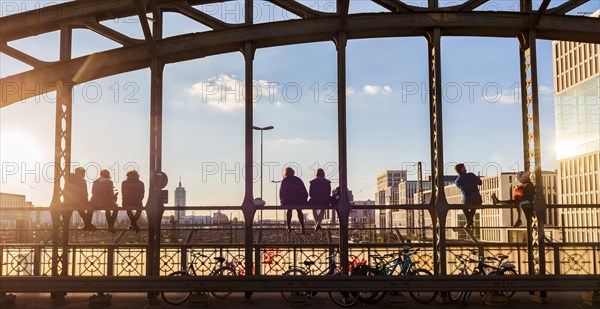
(577, 110)
(180, 201)
(387, 194)
(14, 219)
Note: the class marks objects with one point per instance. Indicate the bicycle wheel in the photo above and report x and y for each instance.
(293, 272)
(369, 297)
(223, 271)
(176, 298)
(455, 296)
(509, 272)
(344, 299)
(422, 297)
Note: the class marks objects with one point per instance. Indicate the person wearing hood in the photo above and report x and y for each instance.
(133, 194)
(468, 184)
(103, 197)
(293, 193)
(76, 197)
(319, 191)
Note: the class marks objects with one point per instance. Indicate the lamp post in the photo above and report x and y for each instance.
(261, 163)
(276, 182)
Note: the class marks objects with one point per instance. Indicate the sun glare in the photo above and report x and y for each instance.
(18, 148)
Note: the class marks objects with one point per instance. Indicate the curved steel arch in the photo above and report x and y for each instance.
(359, 26)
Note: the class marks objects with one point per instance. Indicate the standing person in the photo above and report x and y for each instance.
(468, 184)
(133, 194)
(319, 195)
(103, 197)
(523, 194)
(293, 193)
(76, 197)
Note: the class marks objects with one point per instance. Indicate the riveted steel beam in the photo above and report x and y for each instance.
(185, 47)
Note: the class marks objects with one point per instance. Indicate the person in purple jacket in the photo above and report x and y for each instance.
(293, 193)
(320, 190)
(468, 184)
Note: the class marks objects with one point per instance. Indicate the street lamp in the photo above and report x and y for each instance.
(276, 182)
(261, 163)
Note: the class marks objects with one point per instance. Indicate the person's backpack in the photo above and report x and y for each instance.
(335, 196)
(517, 193)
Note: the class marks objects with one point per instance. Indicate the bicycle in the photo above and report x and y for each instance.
(503, 268)
(343, 299)
(178, 298)
(408, 268)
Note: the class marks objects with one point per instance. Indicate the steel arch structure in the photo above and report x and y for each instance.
(154, 52)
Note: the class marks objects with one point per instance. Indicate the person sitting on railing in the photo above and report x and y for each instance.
(293, 193)
(319, 191)
(103, 197)
(133, 194)
(523, 194)
(468, 184)
(76, 196)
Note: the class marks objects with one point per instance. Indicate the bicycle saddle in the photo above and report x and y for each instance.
(309, 263)
(220, 259)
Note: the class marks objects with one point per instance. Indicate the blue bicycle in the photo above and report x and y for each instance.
(387, 265)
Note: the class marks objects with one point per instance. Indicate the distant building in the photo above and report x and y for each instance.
(362, 218)
(180, 201)
(15, 219)
(387, 194)
(577, 110)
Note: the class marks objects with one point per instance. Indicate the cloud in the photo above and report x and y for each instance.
(374, 89)
(350, 91)
(227, 93)
(545, 90)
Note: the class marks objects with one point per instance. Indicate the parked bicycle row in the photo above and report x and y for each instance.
(401, 263)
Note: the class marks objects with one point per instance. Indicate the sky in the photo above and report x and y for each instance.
(295, 86)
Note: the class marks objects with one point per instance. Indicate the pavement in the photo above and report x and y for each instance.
(555, 300)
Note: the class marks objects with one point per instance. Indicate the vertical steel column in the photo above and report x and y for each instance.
(62, 167)
(536, 216)
(248, 208)
(440, 204)
(343, 207)
(154, 205)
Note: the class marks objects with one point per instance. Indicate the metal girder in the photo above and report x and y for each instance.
(185, 47)
(298, 8)
(540, 13)
(110, 33)
(398, 6)
(470, 5)
(40, 284)
(21, 56)
(199, 16)
(567, 6)
(52, 18)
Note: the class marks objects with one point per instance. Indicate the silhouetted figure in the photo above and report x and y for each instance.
(293, 193)
(104, 197)
(468, 184)
(133, 194)
(76, 196)
(523, 194)
(319, 191)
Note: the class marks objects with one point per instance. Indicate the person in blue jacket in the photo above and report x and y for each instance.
(468, 184)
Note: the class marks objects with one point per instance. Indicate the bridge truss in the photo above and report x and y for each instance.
(431, 22)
